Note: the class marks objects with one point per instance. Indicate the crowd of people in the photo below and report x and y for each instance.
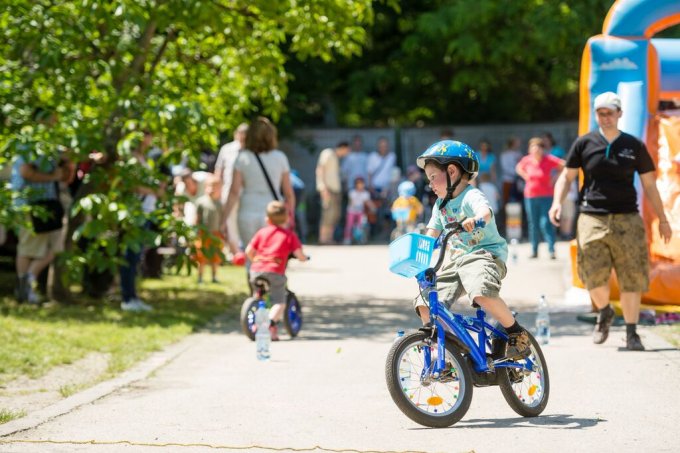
(245, 208)
(360, 190)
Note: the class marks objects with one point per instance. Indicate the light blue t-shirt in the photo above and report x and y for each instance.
(464, 206)
(39, 190)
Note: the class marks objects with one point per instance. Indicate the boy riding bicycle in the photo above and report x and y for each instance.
(268, 252)
(476, 258)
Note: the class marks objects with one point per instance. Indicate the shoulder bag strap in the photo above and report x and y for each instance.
(266, 176)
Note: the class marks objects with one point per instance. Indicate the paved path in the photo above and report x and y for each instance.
(326, 389)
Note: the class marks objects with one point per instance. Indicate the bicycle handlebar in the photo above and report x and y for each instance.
(449, 230)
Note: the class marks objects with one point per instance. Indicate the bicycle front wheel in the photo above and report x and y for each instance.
(527, 387)
(434, 402)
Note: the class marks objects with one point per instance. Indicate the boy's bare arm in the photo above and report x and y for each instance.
(299, 254)
(250, 252)
(432, 232)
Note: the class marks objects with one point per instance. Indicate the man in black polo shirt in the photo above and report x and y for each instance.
(610, 231)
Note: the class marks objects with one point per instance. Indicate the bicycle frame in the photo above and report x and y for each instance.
(462, 327)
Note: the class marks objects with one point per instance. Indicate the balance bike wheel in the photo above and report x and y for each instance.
(293, 317)
(248, 317)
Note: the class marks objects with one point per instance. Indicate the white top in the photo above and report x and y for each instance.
(508, 161)
(357, 199)
(330, 170)
(256, 193)
(354, 166)
(225, 160)
(380, 169)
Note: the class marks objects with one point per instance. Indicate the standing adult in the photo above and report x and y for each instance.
(224, 170)
(610, 231)
(551, 147)
(129, 269)
(539, 171)
(330, 189)
(379, 166)
(36, 181)
(509, 159)
(487, 160)
(252, 184)
(353, 166)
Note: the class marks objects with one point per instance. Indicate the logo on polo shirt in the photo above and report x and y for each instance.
(627, 153)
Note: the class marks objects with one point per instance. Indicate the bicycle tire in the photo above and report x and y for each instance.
(419, 400)
(527, 393)
(248, 309)
(292, 321)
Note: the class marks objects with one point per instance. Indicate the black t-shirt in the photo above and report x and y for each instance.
(609, 170)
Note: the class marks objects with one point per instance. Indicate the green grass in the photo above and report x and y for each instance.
(671, 333)
(9, 415)
(36, 339)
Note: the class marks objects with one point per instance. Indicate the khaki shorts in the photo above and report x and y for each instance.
(37, 246)
(330, 211)
(613, 241)
(475, 274)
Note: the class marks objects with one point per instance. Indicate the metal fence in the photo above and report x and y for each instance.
(304, 146)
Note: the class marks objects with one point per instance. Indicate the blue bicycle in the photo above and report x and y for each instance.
(431, 372)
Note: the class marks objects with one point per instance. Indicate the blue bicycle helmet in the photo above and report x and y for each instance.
(406, 189)
(451, 152)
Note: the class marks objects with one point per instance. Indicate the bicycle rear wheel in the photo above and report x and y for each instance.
(434, 402)
(248, 317)
(526, 391)
(293, 317)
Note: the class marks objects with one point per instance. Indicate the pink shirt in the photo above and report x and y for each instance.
(540, 175)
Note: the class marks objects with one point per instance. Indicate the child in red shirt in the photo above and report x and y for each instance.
(268, 252)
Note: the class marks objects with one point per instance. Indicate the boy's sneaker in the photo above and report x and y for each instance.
(518, 345)
(274, 332)
(604, 321)
(633, 343)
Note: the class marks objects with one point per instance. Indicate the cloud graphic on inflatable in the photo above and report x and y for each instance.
(618, 63)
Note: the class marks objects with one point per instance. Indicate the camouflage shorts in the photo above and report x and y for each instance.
(475, 274)
(613, 241)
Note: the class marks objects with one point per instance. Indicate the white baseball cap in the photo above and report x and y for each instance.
(607, 100)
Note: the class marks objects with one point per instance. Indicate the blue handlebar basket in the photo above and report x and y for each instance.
(410, 254)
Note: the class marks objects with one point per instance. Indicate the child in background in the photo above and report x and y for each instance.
(406, 208)
(491, 192)
(358, 200)
(209, 242)
(475, 258)
(268, 251)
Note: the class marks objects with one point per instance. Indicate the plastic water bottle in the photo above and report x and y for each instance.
(513, 250)
(543, 322)
(262, 336)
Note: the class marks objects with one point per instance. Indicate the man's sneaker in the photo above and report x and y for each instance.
(518, 345)
(633, 343)
(142, 306)
(135, 305)
(274, 332)
(604, 321)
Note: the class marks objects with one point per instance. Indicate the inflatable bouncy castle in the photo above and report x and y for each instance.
(645, 72)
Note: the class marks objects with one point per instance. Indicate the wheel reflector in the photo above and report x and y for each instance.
(435, 400)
